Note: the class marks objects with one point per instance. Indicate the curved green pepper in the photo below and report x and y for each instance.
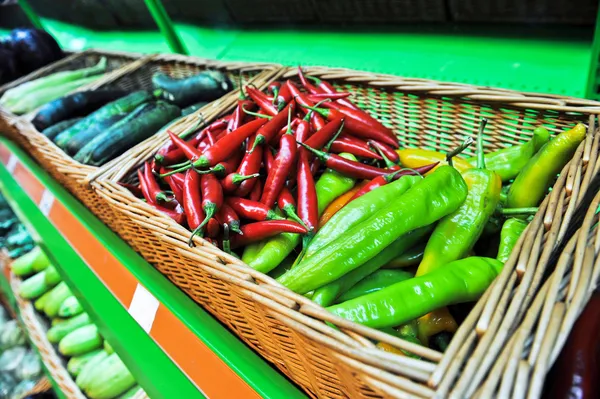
(252, 250)
(460, 281)
(533, 182)
(358, 211)
(509, 235)
(429, 200)
(330, 185)
(456, 234)
(328, 293)
(409, 258)
(508, 162)
(374, 282)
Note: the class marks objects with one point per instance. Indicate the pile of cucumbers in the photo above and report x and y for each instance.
(97, 369)
(96, 126)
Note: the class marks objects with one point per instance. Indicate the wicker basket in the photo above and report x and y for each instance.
(538, 337)
(289, 330)
(115, 61)
(37, 334)
(73, 175)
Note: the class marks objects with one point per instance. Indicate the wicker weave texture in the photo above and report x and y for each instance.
(290, 330)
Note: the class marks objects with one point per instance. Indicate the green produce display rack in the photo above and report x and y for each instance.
(174, 349)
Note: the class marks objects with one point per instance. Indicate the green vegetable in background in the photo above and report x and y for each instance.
(509, 235)
(411, 257)
(430, 199)
(532, 183)
(460, 281)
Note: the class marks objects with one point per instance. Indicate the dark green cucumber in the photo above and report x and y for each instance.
(193, 108)
(142, 123)
(121, 106)
(77, 142)
(204, 86)
(76, 104)
(53, 131)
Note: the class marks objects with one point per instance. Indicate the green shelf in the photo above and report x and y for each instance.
(69, 233)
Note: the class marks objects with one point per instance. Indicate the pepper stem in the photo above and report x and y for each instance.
(518, 211)
(323, 112)
(256, 114)
(334, 138)
(289, 121)
(235, 227)
(468, 141)
(291, 213)
(210, 210)
(388, 162)
(314, 79)
(226, 243)
(164, 197)
(259, 140)
(319, 154)
(237, 179)
(480, 153)
(174, 171)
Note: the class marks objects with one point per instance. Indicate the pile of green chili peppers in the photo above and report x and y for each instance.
(396, 257)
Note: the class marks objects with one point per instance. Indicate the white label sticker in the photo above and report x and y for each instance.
(143, 307)
(46, 202)
(12, 163)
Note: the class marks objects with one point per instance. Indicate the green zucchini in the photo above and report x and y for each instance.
(56, 298)
(32, 261)
(193, 108)
(77, 142)
(204, 86)
(111, 379)
(60, 330)
(41, 302)
(70, 307)
(52, 276)
(56, 79)
(34, 286)
(54, 130)
(77, 104)
(77, 363)
(142, 123)
(121, 106)
(80, 341)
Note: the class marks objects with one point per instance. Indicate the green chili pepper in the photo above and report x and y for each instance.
(508, 162)
(532, 183)
(282, 268)
(358, 211)
(407, 332)
(374, 282)
(252, 250)
(460, 281)
(327, 294)
(509, 235)
(409, 258)
(456, 234)
(429, 200)
(330, 185)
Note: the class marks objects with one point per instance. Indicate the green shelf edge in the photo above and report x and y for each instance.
(137, 349)
(12, 301)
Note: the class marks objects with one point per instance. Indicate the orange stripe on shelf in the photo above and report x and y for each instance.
(115, 276)
(29, 183)
(196, 360)
(4, 154)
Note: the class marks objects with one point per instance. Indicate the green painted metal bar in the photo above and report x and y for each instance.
(31, 14)
(166, 26)
(153, 369)
(264, 379)
(593, 78)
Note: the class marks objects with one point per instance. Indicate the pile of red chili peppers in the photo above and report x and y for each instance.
(233, 181)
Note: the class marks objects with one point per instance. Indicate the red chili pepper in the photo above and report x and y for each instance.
(302, 132)
(224, 168)
(256, 192)
(386, 150)
(192, 200)
(237, 118)
(314, 166)
(266, 132)
(326, 87)
(171, 146)
(253, 210)
(286, 203)
(213, 228)
(273, 88)
(175, 154)
(174, 184)
(227, 215)
(178, 178)
(283, 97)
(359, 170)
(262, 101)
(304, 102)
(176, 214)
(269, 160)
(250, 165)
(284, 130)
(232, 181)
(307, 195)
(212, 199)
(188, 150)
(316, 121)
(153, 189)
(228, 144)
(361, 116)
(307, 85)
(373, 184)
(323, 136)
(356, 127)
(135, 190)
(353, 145)
(328, 96)
(280, 169)
(260, 230)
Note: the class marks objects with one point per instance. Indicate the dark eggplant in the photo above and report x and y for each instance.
(74, 105)
(9, 70)
(34, 48)
(204, 86)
